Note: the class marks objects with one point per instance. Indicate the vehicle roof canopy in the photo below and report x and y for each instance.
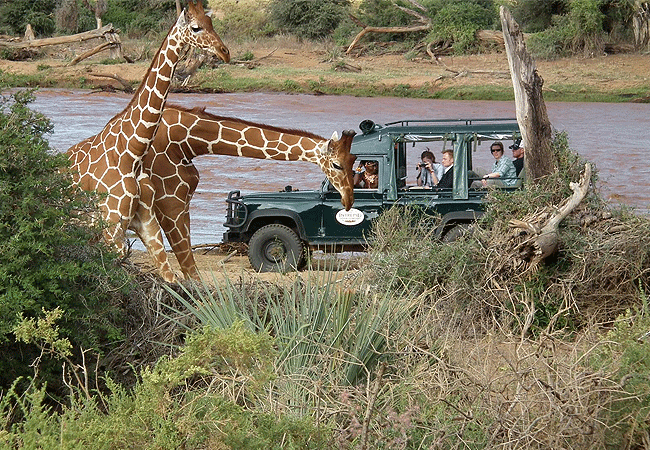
(433, 130)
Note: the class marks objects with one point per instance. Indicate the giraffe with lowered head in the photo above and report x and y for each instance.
(184, 134)
(111, 161)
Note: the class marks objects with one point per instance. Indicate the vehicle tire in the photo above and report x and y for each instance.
(276, 248)
(456, 232)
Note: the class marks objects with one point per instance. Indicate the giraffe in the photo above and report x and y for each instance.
(184, 134)
(110, 162)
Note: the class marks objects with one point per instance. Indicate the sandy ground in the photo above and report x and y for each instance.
(218, 264)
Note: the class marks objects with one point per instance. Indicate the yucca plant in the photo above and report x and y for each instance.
(327, 337)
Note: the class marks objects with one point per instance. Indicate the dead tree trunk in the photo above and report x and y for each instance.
(641, 24)
(536, 130)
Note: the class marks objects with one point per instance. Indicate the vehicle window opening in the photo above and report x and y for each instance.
(366, 174)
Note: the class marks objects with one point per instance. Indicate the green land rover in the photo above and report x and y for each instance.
(280, 227)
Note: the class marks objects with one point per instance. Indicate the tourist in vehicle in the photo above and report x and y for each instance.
(447, 179)
(429, 171)
(503, 171)
(366, 175)
(517, 155)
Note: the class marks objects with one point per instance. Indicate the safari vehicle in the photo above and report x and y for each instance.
(280, 227)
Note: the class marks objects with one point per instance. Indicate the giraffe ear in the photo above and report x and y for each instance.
(183, 18)
(208, 13)
(335, 136)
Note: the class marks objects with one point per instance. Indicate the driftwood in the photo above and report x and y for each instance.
(460, 73)
(60, 39)
(542, 241)
(367, 30)
(90, 53)
(535, 127)
(126, 86)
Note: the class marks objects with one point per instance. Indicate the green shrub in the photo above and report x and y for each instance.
(49, 256)
(579, 31)
(307, 18)
(458, 22)
(16, 14)
(179, 403)
(242, 19)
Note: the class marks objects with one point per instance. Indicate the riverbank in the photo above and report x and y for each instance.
(284, 65)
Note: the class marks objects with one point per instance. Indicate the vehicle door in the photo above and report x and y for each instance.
(336, 225)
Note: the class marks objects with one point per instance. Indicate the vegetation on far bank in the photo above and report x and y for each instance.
(585, 28)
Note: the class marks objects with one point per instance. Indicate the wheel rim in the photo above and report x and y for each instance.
(275, 252)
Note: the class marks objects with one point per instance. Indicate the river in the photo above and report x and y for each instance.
(613, 136)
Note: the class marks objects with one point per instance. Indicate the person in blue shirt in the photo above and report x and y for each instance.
(503, 171)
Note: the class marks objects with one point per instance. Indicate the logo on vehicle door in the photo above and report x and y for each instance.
(351, 217)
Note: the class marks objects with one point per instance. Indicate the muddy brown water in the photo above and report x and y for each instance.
(613, 136)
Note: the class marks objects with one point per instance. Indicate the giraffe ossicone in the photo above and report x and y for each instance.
(184, 134)
(111, 161)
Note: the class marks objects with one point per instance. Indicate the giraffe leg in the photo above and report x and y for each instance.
(147, 228)
(175, 222)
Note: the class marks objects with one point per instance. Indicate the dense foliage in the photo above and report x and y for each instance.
(558, 27)
(16, 14)
(306, 18)
(49, 256)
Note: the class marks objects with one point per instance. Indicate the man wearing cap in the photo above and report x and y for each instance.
(517, 155)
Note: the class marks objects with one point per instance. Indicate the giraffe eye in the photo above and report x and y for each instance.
(336, 166)
(196, 28)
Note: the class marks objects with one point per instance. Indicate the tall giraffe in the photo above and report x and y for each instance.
(110, 162)
(184, 134)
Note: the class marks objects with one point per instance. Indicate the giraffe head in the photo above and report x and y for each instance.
(196, 30)
(337, 164)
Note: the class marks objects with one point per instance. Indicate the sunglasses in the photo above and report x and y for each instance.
(494, 150)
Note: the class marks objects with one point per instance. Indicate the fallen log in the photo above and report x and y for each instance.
(367, 30)
(126, 86)
(60, 39)
(91, 52)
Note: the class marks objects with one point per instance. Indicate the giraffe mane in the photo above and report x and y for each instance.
(201, 112)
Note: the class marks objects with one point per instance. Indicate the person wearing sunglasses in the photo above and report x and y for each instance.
(503, 171)
(518, 155)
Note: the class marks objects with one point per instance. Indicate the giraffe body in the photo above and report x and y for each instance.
(184, 134)
(111, 161)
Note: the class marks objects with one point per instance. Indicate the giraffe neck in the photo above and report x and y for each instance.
(144, 112)
(205, 134)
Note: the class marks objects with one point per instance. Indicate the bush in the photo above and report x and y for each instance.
(47, 254)
(306, 18)
(16, 14)
(458, 22)
(242, 19)
(580, 31)
(178, 403)
(138, 18)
